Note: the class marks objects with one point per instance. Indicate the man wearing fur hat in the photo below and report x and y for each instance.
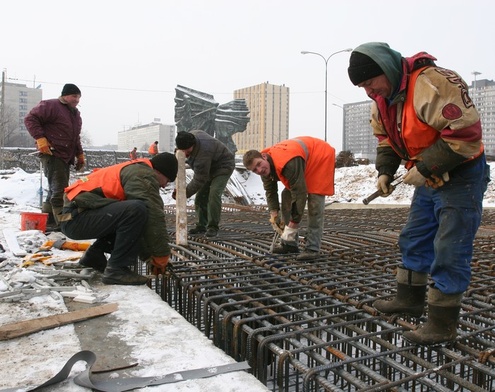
(213, 164)
(56, 126)
(122, 208)
(422, 114)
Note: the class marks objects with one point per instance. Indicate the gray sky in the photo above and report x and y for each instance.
(128, 56)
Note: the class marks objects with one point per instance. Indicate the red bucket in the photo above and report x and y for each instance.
(34, 221)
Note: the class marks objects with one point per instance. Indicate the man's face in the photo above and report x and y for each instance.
(187, 152)
(163, 180)
(378, 85)
(260, 166)
(72, 100)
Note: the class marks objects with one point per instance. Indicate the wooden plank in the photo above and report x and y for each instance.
(27, 327)
(181, 200)
(11, 239)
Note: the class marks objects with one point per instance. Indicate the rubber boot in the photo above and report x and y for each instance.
(443, 315)
(410, 297)
(94, 258)
(46, 207)
(122, 276)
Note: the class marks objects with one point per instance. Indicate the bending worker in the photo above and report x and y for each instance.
(306, 167)
(121, 207)
(423, 114)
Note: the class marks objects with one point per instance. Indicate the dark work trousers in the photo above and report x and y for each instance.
(57, 172)
(122, 223)
(208, 202)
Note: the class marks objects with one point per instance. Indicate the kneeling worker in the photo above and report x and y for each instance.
(121, 207)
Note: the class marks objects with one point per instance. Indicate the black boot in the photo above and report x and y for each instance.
(94, 258)
(441, 326)
(285, 248)
(123, 276)
(410, 297)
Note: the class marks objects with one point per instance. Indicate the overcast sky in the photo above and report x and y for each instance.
(128, 56)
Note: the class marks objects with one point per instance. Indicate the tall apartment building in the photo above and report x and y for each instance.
(143, 135)
(16, 100)
(269, 116)
(358, 137)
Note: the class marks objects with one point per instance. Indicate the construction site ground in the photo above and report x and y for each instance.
(303, 326)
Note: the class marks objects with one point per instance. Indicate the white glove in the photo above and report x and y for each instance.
(414, 177)
(289, 234)
(383, 184)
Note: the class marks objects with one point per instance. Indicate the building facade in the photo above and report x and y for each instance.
(269, 116)
(482, 92)
(16, 100)
(143, 135)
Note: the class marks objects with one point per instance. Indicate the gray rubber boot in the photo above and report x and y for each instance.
(443, 315)
(410, 297)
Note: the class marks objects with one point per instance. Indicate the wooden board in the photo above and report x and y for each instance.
(11, 239)
(27, 327)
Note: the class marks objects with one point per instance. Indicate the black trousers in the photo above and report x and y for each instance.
(117, 228)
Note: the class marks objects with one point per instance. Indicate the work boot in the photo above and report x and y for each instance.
(211, 232)
(284, 249)
(308, 255)
(123, 276)
(410, 297)
(198, 230)
(441, 326)
(94, 258)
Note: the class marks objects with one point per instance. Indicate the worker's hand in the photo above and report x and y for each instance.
(80, 162)
(276, 223)
(289, 234)
(159, 264)
(414, 177)
(383, 185)
(43, 146)
(174, 194)
(436, 182)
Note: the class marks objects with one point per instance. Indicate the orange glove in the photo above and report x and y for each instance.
(80, 162)
(43, 146)
(159, 264)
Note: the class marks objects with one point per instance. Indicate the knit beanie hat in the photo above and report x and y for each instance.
(166, 163)
(184, 140)
(70, 89)
(362, 67)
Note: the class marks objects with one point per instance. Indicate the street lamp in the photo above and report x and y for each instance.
(326, 77)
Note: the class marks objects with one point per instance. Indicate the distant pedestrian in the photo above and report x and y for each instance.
(56, 126)
(153, 150)
(133, 154)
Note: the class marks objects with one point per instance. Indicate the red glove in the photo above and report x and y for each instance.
(159, 264)
(43, 146)
(80, 162)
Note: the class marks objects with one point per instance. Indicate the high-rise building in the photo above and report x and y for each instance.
(16, 100)
(268, 106)
(482, 92)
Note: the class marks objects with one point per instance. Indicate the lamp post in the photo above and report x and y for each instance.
(326, 77)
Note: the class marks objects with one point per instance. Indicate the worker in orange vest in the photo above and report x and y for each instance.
(133, 154)
(153, 150)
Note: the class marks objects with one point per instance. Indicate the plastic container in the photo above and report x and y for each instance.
(34, 221)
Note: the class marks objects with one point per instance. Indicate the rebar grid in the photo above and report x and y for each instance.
(310, 326)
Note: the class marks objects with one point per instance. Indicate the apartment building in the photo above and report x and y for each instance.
(143, 135)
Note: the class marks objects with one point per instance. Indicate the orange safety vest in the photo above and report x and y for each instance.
(320, 162)
(416, 134)
(108, 179)
(153, 149)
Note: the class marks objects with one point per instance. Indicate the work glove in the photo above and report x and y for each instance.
(383, 185)
(43, 146)
(289, 234)
(174, 194)
(414, 177)
(159, 264)
(276, 223)
(436, 182)
(80, 162)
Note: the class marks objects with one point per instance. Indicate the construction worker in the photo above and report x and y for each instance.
(122, 208)
(56, 126)
(153, 149)
(133, 154)
(306, 167)
(213, 164)
(423, 114)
